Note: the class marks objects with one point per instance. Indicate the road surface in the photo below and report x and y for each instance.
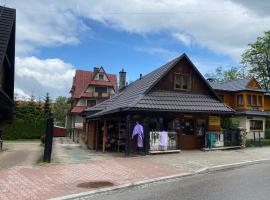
(246, 183)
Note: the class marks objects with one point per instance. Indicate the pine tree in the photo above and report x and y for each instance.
(47, 106)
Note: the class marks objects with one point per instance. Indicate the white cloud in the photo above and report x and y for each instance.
(223, 26)
(167, 54)
(20, 94)
(183, 38)
(37, 76)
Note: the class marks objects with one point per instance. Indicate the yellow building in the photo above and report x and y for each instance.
(250, 101)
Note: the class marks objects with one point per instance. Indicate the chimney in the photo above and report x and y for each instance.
(122, 79)
(95, 69)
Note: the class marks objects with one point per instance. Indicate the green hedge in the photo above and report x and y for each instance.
(24, 129)
(264, 142)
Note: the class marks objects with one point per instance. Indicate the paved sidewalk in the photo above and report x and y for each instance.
(66, 151)
(54, 180)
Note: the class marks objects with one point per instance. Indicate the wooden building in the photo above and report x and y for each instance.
(175, 99)
(88, 89)
(249, 100)
(7, 62)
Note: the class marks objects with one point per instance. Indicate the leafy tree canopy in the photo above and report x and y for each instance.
(256, 60)
(60, 109)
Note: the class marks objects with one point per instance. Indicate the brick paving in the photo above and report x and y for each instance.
(54, 180)
(57, 180)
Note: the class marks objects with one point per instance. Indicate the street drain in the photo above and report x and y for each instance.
(95, 184)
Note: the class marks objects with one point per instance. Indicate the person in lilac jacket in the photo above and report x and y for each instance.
(138, 130)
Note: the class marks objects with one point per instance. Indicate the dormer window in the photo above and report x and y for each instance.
(181, 82)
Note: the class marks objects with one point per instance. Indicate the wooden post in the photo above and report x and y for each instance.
(86, 132)
(96, 134)
(48, 141)
(104, 136)
(127, 137)
(146, 140)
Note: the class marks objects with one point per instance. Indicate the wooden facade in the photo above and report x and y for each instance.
(7, 64)
(187, 114)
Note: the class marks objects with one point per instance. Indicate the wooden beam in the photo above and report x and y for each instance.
(104, 136)
(127, 138)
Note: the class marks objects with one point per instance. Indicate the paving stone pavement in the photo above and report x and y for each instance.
(54, 180)
(57, 180)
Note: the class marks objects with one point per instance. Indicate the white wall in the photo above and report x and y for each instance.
(244, 122)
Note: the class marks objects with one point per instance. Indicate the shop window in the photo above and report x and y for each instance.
(240, 101)
(91, 103)
(259, 100)
(248, 100)
(187, 127)
(254, 100)
(256, 125)
(181, 82)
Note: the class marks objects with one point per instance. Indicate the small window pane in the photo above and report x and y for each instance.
(101, 76)
(256, 125)
(254, 100)
(259, 100)
(248, 100)
(185, 82)
(177, 81)
(91, 103)
(240, 100)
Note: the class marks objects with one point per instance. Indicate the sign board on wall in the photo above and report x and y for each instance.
(214, 123)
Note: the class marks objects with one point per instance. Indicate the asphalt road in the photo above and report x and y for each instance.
(246, 183)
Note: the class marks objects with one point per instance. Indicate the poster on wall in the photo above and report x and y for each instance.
(162, 141)
(214, 121)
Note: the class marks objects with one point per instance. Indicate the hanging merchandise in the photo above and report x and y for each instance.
(163, 141)
(138, 130)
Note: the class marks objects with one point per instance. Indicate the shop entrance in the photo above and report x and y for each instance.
(192, 133)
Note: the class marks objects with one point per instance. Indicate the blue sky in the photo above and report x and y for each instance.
(114, 50)
(138, 36)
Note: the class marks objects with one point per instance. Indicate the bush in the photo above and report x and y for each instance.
(264, 142)
(24, 129)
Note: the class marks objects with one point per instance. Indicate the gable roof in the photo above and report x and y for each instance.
(83, 79)
(133, 95)
(235, 86)
(7, 21)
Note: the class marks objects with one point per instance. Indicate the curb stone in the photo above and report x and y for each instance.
(160, 179)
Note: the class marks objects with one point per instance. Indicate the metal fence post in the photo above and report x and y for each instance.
(48, 141)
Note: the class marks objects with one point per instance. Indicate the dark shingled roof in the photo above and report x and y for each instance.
(171, 101)
(136, 96)
(234, 86)
(7, 19)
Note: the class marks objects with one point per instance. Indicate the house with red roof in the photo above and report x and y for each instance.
(88, 89)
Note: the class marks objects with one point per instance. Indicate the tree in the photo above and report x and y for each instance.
(257, 60)
(47, 106)
(60, 109)
(232, 73)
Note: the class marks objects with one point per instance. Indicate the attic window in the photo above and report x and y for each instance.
(180, 82)
(100, 76)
